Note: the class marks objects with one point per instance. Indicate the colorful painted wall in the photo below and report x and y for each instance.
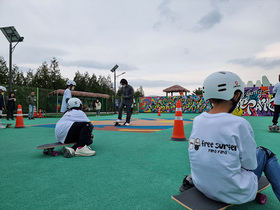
(257, 101)
(190, 104)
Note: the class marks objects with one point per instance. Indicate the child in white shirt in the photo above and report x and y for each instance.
(67, 94)
(225, 164)
(75, 127)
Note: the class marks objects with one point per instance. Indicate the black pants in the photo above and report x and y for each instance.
(276, 114)
(10, 113)
(128, 112)
(80, 132)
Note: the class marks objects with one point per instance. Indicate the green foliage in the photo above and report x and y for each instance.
(48, 78)
(4, 72)
(139, 93)
(197, 91)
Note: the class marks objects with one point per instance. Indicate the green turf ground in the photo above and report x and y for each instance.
(129, 170)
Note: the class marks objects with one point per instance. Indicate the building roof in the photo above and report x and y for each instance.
(175, 88)
(80, 93)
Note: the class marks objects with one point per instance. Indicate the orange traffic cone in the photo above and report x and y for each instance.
(178, 130)
(40, 114)
(35, 112)
(19, 120)
(159, 112)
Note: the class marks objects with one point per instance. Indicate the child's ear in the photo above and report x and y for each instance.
(236, 96)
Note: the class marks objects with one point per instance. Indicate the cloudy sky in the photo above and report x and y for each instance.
(158, 43)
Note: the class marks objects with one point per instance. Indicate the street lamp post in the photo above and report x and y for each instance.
(114, 70)
(12, 36)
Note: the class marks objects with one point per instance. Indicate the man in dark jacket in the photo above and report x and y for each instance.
(127, 100)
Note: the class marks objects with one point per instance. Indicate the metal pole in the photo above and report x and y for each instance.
(56, 102)
(114, 92)
(37, 100)
(10, 66)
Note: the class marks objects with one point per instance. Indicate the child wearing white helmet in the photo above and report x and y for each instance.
(226, 163)
(75, 127)
(2, 106)
(67, 94)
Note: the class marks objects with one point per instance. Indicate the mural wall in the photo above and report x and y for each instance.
(257, 101)
(190, 104)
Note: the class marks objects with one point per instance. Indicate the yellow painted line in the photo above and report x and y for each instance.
(150, 130)
(166, 121)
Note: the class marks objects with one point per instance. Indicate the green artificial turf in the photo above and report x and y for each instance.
(129, 171)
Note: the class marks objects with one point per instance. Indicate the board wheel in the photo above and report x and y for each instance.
(45, 152)
(261, 198)
(55, 153)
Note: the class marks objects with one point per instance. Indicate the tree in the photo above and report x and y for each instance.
(139, 93)
(17, 76)
(55, 76)
(4, 72)
(197, 91)
(105, 84)
(29, 78)
(42, 77)
(93, 84)
(81, 83)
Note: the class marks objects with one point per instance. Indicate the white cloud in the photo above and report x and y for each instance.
(271, 51)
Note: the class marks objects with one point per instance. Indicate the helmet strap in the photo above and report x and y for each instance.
(234, 104)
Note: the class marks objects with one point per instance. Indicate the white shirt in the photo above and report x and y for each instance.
(67, 94)
(98, 105)
(221, 150)
(64, 124)
(276, 90)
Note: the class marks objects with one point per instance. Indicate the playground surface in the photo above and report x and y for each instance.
(135, 167)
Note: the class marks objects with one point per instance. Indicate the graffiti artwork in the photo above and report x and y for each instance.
(190, 104)
(256, 101)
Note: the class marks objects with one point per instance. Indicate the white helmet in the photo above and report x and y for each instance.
(222, 85)
(3, 88)
(71, 82)
(74, 102)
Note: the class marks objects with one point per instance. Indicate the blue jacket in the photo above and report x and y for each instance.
(1, 102)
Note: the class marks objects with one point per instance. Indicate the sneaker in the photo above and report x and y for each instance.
(84, 151)
(1, 126)
(68, 152)
(118, 120)
(127, 124)
(187, 183)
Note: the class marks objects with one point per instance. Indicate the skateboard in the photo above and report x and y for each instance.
(273, 128)
(119, 123)
(194, 199)
(8, 125)
(48, 149)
